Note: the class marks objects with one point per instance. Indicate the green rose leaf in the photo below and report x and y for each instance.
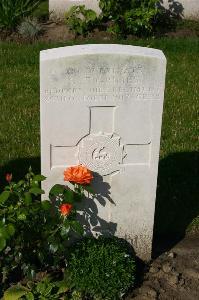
(46, 205)
(4, 196)
(39, 178)
(69, 196)
(36, 191)
(56, 190)
(15, 292)
(89, 189)
(65, 230)
(20, 183)
(77, 227)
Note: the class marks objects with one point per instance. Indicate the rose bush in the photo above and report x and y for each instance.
(34, 234)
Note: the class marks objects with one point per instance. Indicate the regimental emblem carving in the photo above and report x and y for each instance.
(101, 153)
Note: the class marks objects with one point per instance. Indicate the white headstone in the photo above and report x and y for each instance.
(101, 106)
(58, 8)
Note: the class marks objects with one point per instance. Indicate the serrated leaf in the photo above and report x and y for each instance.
(4, 196)
(65, 230)
(48, 290)
(77, 227)
(63, 288)
(46, 205)
(53, 247)
(56, 190)
(10, 229)
(28, 198)
(20, 183)
(2, 243)
(30, 296)
(15, 292)
(69, 196)
(39, 178)
(41, 286)
(36, 191)
(89, 189)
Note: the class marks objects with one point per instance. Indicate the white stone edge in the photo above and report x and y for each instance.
(91, 49)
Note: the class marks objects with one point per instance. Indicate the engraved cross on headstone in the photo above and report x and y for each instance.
(102, 150)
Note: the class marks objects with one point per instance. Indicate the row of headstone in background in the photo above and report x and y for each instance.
(101, 106)
(188, 9)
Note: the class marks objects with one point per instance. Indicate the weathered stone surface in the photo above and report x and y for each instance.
(101, 106)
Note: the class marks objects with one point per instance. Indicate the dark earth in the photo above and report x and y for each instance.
(173, 275)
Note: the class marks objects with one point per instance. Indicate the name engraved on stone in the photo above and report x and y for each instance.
(101, 83)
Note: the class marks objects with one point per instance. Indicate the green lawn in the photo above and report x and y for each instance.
(177, 198)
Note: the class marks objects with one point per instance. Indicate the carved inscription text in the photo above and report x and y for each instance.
(100, 83)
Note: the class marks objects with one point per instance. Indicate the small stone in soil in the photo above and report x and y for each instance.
(153, 269)
(173, 279)
(146, 290)
(191, 273)
(181, 282)
(166, 267)
(172, 255)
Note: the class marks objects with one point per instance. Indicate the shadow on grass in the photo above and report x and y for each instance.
(19, 168)
(177, 202)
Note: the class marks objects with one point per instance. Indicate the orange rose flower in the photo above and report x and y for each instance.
(8, 177)
(65, 209)
(78, 174)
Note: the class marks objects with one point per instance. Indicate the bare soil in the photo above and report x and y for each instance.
(58, 32)
(173, 275)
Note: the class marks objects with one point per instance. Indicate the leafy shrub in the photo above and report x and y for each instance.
(47, 288)
(122, 17)
(29, 28)
(13, 11)
(34, 234)
(101, 268)
(81, 20)
(130, 16)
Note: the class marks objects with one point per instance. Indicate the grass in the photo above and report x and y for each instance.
(177, 202)
(188, 24)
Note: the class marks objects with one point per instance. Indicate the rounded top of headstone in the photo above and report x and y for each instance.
(92, 49)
